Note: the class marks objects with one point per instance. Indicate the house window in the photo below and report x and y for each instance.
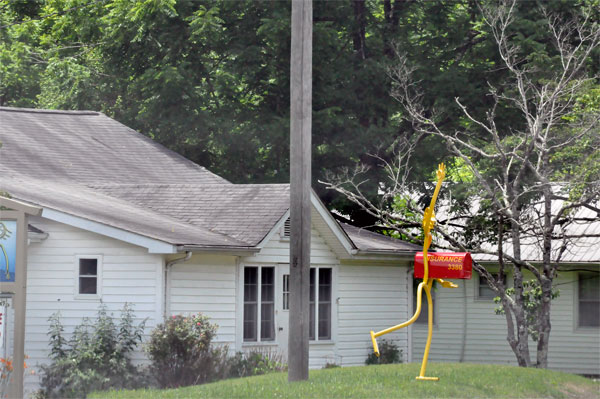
(286, 292)
(88, 275)
(589, 300)
(320, 303)
(423, 316)
(259, 304)
(485, 291)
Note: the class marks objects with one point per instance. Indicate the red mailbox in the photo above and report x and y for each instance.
(445, 265)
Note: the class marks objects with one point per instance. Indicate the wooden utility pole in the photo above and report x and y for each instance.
(300, 187)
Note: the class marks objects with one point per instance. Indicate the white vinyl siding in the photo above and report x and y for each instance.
(370, 298)
(206, 284)
(571, 349)
(128, 274)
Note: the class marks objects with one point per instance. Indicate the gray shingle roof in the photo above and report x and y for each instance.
(86, 164)
(246, 212)
(88, 147)
(86, 203)
(369, 241)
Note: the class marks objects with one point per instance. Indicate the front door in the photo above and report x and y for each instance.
(282, 308)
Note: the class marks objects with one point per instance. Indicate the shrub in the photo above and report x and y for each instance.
(94, 358)
(181, 352)
(256, 362)
(388, 353)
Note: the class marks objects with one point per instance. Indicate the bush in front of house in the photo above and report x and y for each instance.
(95, 357)
(388, 353)
(181, 352)
(256, 362)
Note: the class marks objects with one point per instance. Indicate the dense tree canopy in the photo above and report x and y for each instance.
(209, 79)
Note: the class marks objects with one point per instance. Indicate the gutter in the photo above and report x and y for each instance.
(168, 265)
(404, 254)
(228, 249)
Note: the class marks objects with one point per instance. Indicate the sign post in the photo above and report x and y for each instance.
(13, 277)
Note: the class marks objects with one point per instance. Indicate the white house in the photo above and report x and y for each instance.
(466, 328)
(126, 220)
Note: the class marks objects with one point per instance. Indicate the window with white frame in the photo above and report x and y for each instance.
(259, 304)
(589, 300)
(88, 275)
(286, 292)
(320, 303)
(484, 291)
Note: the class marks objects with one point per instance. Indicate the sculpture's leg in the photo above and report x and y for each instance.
(429, 334)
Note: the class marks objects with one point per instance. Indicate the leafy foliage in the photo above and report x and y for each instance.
(388, 353)
(532, 298)
(181, 352)
(95, 357)
(256, 362)
(209, 79)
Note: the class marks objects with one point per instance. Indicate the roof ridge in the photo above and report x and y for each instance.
(49, 111)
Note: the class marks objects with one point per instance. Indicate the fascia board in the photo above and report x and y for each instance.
(154, 246)
(373, 255)
(20, 206)
(332, 224)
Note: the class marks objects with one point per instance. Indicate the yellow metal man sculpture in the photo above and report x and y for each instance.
(428, 224)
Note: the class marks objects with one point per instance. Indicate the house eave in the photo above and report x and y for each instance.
(229, 250)
(154, 246)
(403, 255)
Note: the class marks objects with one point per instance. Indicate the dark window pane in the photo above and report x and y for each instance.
(250, 284)
(312, 285)
(324, 320)
(250, 322)
(485, 292)
(589, 314)
(267, 325)
(88, 267)
(589, 300)
(87, 285)
(311, 321)
(267, 284)
(324, 285)
(589, 287)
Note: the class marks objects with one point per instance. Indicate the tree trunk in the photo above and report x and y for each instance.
(360, 28)
(522, 347)
(546, 278)
(544, 325)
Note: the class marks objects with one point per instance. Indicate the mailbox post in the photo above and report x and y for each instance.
(435, 266)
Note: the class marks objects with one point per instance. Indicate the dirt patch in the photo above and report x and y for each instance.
(575, 391)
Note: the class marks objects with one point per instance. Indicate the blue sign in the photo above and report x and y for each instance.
(8, 250)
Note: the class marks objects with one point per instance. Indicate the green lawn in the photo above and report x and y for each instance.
(391, 381)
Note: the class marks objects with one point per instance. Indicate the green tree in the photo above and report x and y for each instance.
(516, 187)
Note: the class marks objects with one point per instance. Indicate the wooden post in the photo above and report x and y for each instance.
(300, 187)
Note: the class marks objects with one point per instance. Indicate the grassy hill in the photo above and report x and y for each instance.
(391, 381)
